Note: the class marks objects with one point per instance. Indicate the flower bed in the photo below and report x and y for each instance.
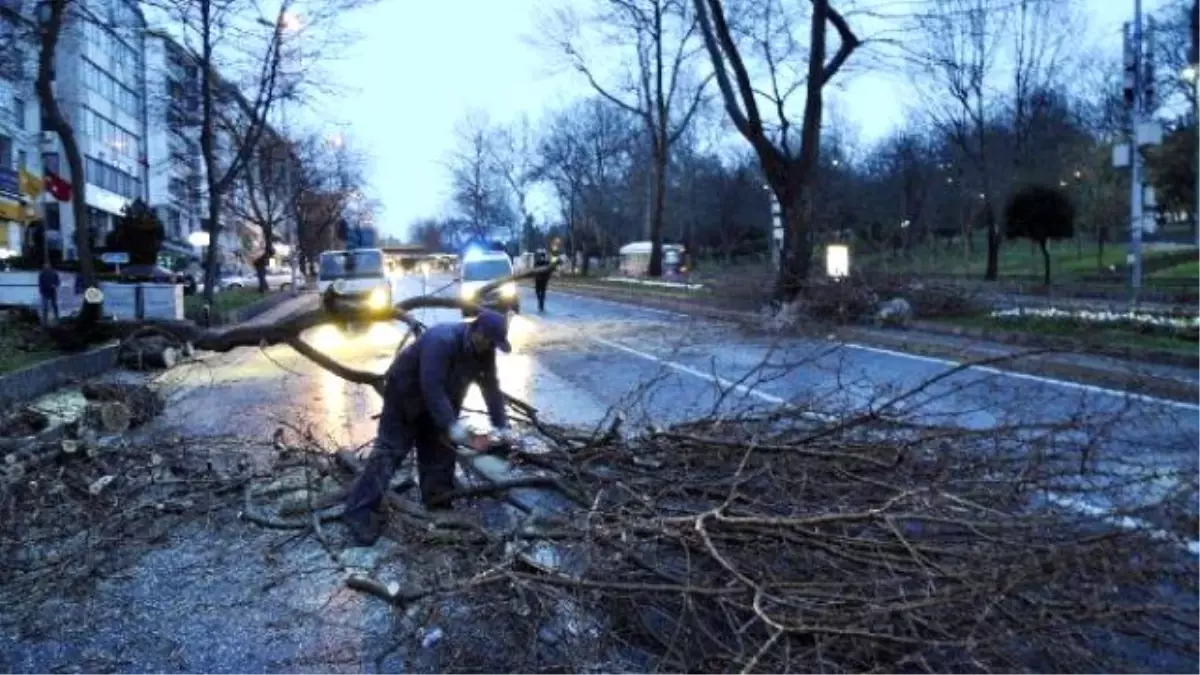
(1144, 322)
(1092, 324)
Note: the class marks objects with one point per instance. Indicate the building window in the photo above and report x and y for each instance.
(113, 137)
(19, 111)
(50, 162)
(6, 152)
(110, 178)
(53, 219)
(104, 84)
(22, 160)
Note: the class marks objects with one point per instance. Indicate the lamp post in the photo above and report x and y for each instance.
(288, 22)
(1189, 76)
(200, 239)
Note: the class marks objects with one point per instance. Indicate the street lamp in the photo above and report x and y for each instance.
(199, 239)
(1189, 75)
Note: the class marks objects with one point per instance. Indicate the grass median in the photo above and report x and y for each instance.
(22, 345)
(1116, 334)
(225, 301)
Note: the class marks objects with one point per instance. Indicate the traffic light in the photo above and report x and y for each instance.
(1129, 78)
(1149, 76)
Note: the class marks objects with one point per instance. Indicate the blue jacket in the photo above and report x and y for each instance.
(432, 376)
(48, 281)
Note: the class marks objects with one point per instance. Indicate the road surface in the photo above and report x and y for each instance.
(210, 600)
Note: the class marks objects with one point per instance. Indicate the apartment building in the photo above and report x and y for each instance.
(18, 127)
(175, 168)
(101, 87)
(177, 183)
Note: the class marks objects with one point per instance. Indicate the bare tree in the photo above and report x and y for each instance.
(50, 28)
(428, 232)
(514, 158)
(478, 188)
(325, 188)
(264, 194)
(250, 59)
(966, 51)
(587, 156)
(790, 174)
(661, 90)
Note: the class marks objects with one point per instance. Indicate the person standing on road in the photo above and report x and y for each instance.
(48, 282)
(422, 398)
(542, 280)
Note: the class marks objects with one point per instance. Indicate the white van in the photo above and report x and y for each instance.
(481, 268)
(357, 278)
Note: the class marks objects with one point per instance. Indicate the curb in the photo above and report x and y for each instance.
(1155, 356)
(41, 378)
(1038, 365)
(1166, 388)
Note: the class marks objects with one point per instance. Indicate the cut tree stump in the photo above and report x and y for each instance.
(139, 402)
(111, 417)
(153, 352)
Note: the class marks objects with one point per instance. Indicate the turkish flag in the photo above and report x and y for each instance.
(57, 187)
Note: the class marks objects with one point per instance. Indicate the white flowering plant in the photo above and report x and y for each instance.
(1184, 327)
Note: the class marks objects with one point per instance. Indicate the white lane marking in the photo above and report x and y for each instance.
(1090, 388)
(740, 388)
(1077, 505)
(1123, 522)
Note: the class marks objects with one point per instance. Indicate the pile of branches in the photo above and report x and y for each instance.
(857, 298)
(777, 545)
(89, 507)
(770, 544)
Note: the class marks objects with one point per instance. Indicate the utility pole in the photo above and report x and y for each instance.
(1194, 69)
(1138, 90)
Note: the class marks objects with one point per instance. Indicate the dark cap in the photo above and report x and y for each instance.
(494, 327)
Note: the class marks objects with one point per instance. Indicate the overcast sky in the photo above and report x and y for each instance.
(418, 67)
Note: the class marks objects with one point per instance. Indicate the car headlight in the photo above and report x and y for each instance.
(467, 293)
(377, 299)
(508, 290)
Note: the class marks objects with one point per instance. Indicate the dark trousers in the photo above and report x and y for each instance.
(396, 436)
(49, 304)
(539, 286)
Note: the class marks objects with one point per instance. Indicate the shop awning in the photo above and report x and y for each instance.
(15, 211)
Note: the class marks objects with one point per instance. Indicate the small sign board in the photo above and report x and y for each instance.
(115, 258)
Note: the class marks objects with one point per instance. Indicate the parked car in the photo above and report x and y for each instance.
(276, 281)
(158, 275)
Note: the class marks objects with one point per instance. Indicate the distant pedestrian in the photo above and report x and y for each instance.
(542, 280)
(48, 282)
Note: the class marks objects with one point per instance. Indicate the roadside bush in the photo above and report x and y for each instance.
(846, 300)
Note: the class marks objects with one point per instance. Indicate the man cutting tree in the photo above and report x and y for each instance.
(422, 398)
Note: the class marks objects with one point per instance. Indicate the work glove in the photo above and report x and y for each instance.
(506, 435)
(458, 433)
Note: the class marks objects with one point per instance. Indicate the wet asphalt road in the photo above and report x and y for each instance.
(585, 357)
(213, 600)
